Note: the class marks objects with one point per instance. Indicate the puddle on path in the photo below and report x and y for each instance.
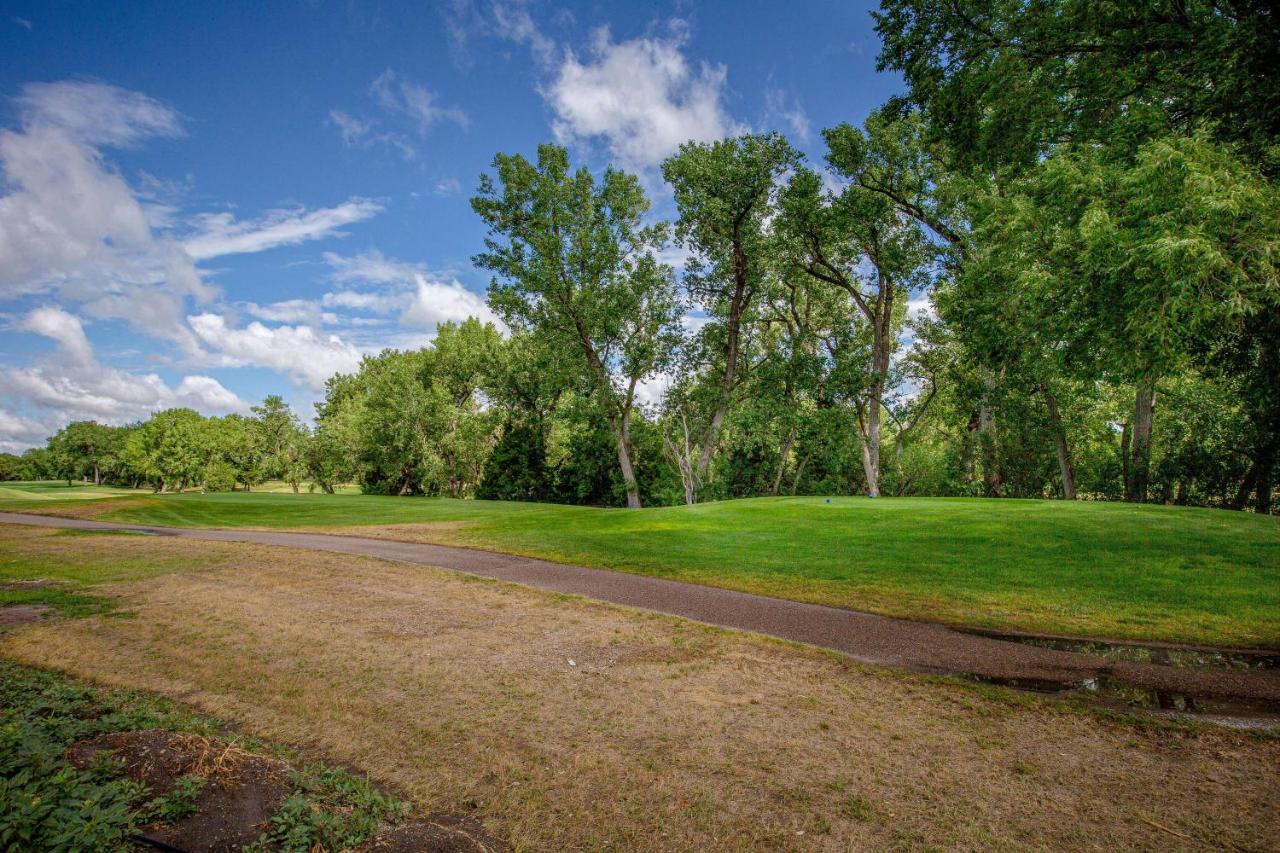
(1193, 657)
(1116, 693)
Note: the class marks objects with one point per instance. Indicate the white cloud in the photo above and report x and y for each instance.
(291, 311)
(96, 113)
(307, 356)
(649, 392)
(359, 133)
(779, 112)
(66, 329)
(353, 130)
(511, 21)
(396, 94)
(18, 433)
(72, 226)
(641, 96)
(419, 296)
(71, 385)
(370, 267)
(222, 234)
(435, 302)
(921, 307)
(447, 186)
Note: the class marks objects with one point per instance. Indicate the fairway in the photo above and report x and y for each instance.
(1092, 569)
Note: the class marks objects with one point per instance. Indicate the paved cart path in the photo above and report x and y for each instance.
(918, 646)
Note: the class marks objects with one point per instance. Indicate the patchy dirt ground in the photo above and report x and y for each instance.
(241, 791)
(22, 614)
(558, 723)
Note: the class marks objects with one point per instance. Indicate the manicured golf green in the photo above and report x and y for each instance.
(1096, 569)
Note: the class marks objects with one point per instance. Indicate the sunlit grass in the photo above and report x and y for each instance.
(1096, 569)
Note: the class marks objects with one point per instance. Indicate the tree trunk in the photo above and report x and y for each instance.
(295, 487)
(1140, 450)
(1126, 441)
(871, 447)
(97, 475)
(1266, 468)
(1264, 490)
(795, 481)
(733, 328)
(1060, 442)
(1246, 487)
(783, 452)
(622, 435)
(991, 478)
(682, 455)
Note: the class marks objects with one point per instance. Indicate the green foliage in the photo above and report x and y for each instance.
(574, 264)
(179, 803)
(517, 468)
(12, 468)
(45, 803)
(329, 809)
(1002, 80)
(84, 449)
(411, 422)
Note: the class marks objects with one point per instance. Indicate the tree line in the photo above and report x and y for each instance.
(1049, 269)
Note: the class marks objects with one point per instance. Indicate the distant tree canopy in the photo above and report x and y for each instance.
(1049, 268)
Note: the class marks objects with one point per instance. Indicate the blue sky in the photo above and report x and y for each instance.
(202, 204)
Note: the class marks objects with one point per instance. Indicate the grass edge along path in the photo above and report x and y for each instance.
(1119, 571)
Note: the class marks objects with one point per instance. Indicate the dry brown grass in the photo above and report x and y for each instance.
(661, 734)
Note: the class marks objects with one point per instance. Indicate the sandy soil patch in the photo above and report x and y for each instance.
(560, 723)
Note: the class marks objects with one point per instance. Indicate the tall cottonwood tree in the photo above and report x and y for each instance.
(857, 243)
(1124, 260)
(726, 193)
(574, 261)
(1004, 85)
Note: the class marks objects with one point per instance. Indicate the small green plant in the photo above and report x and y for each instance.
(331, 808)
(45, 803)
(857, 808)
(180, 802)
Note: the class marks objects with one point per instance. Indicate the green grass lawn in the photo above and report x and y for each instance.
(1095, 569)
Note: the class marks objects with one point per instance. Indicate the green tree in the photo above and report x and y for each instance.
(281, 440)
(574, 262)
(1123, 262)
(726, 193)
(171, 449)
(857, 243)
(84, 448)
(1003, 80)
(11, 467)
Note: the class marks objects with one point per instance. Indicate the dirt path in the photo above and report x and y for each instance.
(917, 646)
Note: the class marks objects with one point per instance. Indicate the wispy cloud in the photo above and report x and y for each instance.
(786, 114)
(71, 225)
(364, 134)
(399, 95)
(221, 234)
